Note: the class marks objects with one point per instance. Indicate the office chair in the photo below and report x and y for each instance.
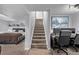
(64, 40)
(76, 41)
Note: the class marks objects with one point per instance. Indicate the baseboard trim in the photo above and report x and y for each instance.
(27, 48)
(48, 48)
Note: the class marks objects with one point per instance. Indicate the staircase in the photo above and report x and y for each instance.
(39, 35)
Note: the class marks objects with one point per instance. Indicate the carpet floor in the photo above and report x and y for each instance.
(70, 51)
(13, 49)
(38, 52)
(19, 49)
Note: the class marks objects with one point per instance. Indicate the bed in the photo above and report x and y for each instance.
(11, 38)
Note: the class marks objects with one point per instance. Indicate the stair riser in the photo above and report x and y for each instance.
(38, 37)
(39, 34)
(39, 26)
(38, 31)
(39, 42)
(39, 47)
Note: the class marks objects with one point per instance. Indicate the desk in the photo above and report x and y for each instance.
(57, 36)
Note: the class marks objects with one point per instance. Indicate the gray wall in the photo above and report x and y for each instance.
(46, 22)
(29, 29)
(75, 21)
(3, 26)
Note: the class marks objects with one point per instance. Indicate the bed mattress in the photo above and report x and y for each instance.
(10, 38)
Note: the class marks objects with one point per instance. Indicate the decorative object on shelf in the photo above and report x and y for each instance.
(10, 25)
(20, 24)
(17, 25)
(17, 29)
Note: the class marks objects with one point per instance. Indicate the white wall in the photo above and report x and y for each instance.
(3, 26)
(75, 21)
(29, 30)
(46, 22)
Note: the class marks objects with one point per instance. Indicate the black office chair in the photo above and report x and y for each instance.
(76, 42)
(64, 40)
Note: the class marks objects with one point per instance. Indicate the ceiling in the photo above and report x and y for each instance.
(19, 11)
(16, 11)
(54, 8)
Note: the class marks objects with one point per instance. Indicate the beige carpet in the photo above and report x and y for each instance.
(13, 49)
(70, 51)
(38, 52)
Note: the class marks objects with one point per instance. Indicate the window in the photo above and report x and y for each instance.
(60, 21)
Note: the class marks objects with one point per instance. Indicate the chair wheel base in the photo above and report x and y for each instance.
(63, 51)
